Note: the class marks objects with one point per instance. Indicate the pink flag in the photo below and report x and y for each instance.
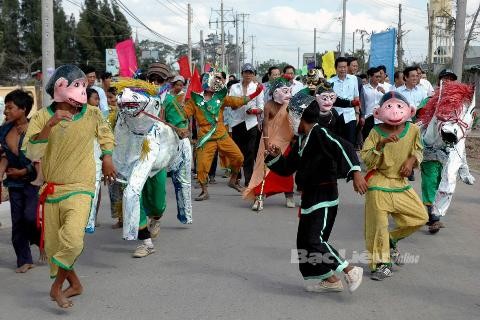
(126, 58)
(207, 67)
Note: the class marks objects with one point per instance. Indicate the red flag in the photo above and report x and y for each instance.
(184, 67)
(195, 84)
(127, 58)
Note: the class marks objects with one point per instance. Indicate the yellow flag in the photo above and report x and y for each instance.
(328, 64)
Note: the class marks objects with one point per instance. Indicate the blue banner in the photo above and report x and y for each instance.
(382, 50)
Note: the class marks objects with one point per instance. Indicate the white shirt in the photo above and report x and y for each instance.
(240, 115)
(386, 86)
(371, 98)
(296, 86)
(346, 89)
(427, 86)
(103, 100)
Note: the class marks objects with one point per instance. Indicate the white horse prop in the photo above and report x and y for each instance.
(446, 121)
(144, 146)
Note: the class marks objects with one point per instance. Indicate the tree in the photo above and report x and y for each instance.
(10, 17)
(87, 31)
(10, 45)
(471, 35)
(182, 50)
(65, 46)
(263, 67)
(120, 27)
(165, 52)
(30, 25)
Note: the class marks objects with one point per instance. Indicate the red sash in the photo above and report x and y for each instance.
(48, 190)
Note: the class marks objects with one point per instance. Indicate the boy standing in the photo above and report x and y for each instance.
(391, 151)
(62, 136)
(20, 172)
(317, 148)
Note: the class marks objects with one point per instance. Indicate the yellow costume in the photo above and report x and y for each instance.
(68, 166)
(390, 193)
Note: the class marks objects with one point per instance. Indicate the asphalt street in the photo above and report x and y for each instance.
(233, 263)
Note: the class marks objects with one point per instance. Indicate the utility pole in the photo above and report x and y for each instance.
(202, 53)
(342, 52)
(399, 39)
(298, 58)
(243, 15)
(353, 44)
(222, 35)
(237, 47)
(190, 64)
(431, 16)
(252, 36)
(315, 46)
(48, 47)
(459, 38)
(222, 21)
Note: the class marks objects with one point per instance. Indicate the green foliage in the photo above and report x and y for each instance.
(262, 68)
(121, 27)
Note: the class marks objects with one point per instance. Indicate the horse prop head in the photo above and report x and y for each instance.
(449, 114)
(131, 103)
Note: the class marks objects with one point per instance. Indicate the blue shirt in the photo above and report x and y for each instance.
(16, 161)
(414, 96)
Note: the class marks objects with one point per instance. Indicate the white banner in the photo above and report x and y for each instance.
(111, 62)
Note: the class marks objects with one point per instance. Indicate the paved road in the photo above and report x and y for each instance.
(234, 264)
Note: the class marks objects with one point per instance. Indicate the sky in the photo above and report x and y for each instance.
(280, 27)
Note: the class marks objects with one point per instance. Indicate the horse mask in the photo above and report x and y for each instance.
(68, 84)
(393, 109)
(451, 108)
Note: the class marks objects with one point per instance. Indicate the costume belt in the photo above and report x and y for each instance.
(48, 190)
(207, 136)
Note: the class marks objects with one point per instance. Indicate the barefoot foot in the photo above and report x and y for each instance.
(60, 299)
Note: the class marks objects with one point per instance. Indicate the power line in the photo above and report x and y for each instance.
(131, 14)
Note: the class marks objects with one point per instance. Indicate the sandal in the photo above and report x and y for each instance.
(236, 186)
(202, 196)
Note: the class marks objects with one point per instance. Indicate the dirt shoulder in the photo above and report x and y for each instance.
(473, 150)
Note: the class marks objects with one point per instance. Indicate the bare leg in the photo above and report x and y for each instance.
(39, 179)
(56, 290)
(233, 183)
(204, 194)
(332, 279)
(75, 287)
(42, 256)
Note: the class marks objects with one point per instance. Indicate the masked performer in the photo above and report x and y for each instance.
(325, 98)
(207, 109)
(446, 119)
(391, 151)
(147, 147)
(276, 130)
(316, 147)
(62, 135)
